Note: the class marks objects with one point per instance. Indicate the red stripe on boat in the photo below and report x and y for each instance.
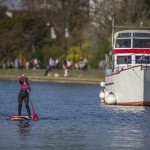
(134, 51)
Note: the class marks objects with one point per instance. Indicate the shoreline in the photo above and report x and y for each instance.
(55, 79)
(90, 77)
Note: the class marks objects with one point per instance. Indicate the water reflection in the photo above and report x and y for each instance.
(126, 109)
(24, 128)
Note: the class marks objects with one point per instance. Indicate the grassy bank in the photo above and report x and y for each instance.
(74, 76)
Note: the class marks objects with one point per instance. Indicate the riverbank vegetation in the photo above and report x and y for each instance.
(65, 29)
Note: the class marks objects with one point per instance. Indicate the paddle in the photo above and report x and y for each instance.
(35, 116)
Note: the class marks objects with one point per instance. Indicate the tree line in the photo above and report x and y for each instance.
(65, 28)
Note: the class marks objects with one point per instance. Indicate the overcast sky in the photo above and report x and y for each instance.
(13, 4)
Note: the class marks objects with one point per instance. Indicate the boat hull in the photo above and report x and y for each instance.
(130, 86)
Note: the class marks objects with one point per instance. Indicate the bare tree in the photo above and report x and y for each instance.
(133, 11)
(61, 15)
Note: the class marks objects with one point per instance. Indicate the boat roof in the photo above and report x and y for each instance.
(130, 33)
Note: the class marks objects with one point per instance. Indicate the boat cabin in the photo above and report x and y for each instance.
(130, 48)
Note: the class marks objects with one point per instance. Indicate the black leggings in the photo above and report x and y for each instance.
(26, 101)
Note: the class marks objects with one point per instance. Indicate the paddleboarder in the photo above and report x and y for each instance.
(24, 94)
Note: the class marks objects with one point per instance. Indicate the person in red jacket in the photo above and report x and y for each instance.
(24, 94)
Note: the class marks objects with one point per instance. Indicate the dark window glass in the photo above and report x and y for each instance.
(123, 43)
(141, 34)
(123, 59)
(124, 35)
(141, 43)
(142, 59)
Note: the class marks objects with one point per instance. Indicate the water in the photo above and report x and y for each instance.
(71, 117)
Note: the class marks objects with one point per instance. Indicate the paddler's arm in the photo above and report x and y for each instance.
(20, 78)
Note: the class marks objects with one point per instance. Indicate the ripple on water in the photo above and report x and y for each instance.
(71, 117)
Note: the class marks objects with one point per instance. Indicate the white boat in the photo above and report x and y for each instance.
(127, 81)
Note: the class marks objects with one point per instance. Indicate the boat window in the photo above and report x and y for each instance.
(142, 59)
(123, 43)
(141, 35)
(141, 43)
(124, 35)
(124, 59)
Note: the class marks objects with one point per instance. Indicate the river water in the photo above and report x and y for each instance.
(71, 117)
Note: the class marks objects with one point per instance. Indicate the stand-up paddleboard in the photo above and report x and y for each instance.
(20, 118)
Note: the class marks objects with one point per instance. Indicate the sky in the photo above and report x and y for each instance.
(13, 4)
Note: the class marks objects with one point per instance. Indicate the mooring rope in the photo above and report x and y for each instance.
(138, 75)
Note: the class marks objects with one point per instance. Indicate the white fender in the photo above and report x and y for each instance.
(102, 95)
(106, 94)
(102, 84)
(111, 99)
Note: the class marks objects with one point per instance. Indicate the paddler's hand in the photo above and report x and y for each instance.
(28, 91)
